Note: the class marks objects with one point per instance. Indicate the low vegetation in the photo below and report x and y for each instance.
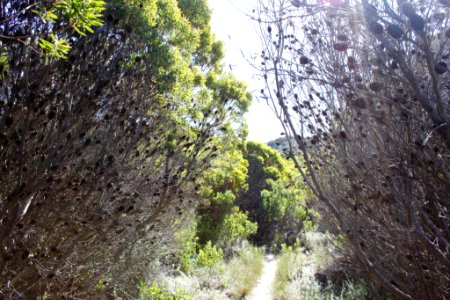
(300, 273)
(210, 277)
(244, 270)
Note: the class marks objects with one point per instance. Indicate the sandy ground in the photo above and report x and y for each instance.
(263, 288)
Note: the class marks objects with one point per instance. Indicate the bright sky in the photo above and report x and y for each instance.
(238, 32)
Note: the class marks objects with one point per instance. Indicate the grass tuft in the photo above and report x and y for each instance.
(295, 280)
(224, 280)
(243, 270)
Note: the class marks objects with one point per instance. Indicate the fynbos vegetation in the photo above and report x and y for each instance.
(125, 172)
(361, 88)
(106, 123)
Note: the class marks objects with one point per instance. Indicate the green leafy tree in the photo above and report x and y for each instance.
(209, 52)
(219, 187)
(276, 198)
(54, 23)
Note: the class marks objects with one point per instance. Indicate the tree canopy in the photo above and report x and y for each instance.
(276, 197)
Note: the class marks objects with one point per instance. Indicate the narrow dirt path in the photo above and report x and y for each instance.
(263, 289)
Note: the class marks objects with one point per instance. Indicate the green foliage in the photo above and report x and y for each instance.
(227, 89)
(285, 200)
(282, 194)
(156, 292)
(270, 159)
(209, 225)
(209, 52)
(80, 15)
(209, 255)
(99, 286)
(165, 39)
(187, 242)
(57, 48)
(197, 12)
(271, 171)
(237, 227)
(4, 66)
(226, 177)
(226, 198)
(218, 189)
(188, 255)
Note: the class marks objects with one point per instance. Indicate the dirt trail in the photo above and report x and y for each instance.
(263, 288)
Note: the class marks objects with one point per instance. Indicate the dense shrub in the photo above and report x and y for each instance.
(361, 88)
(100, 152)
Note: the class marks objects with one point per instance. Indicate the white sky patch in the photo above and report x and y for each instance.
(231, 23)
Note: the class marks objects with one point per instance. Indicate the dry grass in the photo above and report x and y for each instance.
(227, 280)
(243, 271)
(289, 267)
(294, 279)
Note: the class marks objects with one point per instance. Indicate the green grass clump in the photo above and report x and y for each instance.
(243, 270)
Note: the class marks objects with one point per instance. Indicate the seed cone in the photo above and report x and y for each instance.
(395, 31)
(417, 22)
